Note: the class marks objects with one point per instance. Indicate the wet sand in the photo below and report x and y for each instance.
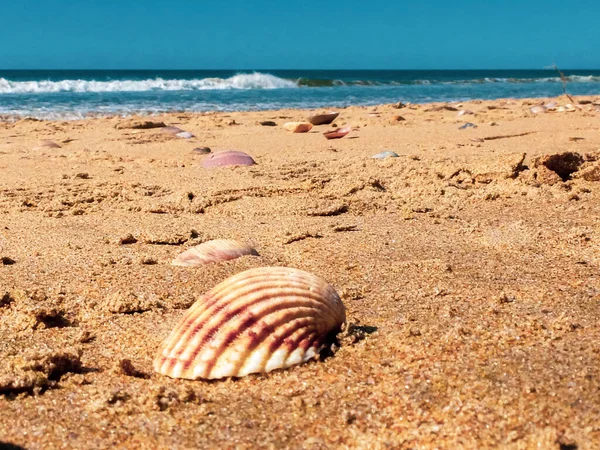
(468, 266)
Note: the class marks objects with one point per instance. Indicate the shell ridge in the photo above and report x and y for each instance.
(283, 350)
(235, 280)
(246, 298)
(258, 320)
(278, 340)
(189, 324)
(223, 311)
(193, 328)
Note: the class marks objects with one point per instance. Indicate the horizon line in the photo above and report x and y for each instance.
(546, 68)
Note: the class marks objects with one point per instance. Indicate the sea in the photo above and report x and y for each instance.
(76, 94)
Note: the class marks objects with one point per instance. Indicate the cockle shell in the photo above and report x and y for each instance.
(213, 251)
(256, 321)
(228, 158)
(298, 127)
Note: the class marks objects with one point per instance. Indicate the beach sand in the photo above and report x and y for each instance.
(468, 266)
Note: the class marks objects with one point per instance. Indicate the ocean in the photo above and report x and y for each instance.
(74, 94)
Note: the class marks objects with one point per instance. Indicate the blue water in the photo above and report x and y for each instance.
(76, 94)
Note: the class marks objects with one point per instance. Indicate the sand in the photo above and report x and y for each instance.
(468, 266)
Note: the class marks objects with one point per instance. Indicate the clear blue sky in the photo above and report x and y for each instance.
(278, 34)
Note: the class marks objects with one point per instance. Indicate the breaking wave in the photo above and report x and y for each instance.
(241, 81)
(245, 81)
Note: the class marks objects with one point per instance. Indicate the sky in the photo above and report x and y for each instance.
(277, 34)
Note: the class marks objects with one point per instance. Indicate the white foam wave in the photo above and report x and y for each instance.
(241, 81)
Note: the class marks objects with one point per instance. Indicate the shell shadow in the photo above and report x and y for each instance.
(9, 446)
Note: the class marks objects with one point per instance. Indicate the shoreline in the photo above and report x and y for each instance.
(594, 100)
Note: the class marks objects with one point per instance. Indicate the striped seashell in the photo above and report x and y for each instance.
(256, 321)
(213, 251)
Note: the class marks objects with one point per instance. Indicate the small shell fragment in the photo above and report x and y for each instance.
(213, 251)
(201, 151)
(384, 155)
(256, 321)
(298, 127)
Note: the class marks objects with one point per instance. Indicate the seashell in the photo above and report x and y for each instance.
(467, 125)
(213, 251)
(228, 158)
(171, 130)
(298, 127)
(538, 109)
(324, 118)
(337, 134)
(256, 321)
(201, 151)
(185, 135)
(384, 155)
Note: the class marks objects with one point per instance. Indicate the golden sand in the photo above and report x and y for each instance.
(468, 265)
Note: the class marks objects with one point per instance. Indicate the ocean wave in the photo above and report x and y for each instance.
(249, 81)
(244, 81)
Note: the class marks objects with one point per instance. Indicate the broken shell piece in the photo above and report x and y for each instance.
(228, 158)
(201, 151)
(298, 127)
(384, 155)
(256, 321)
(337, 134)
(212, 252)
(467, 125)
(324, 118)
(185, 135)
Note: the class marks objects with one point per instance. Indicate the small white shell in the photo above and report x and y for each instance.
(213, 251)
(256, 321)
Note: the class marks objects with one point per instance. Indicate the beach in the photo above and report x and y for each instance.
(468, 266)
